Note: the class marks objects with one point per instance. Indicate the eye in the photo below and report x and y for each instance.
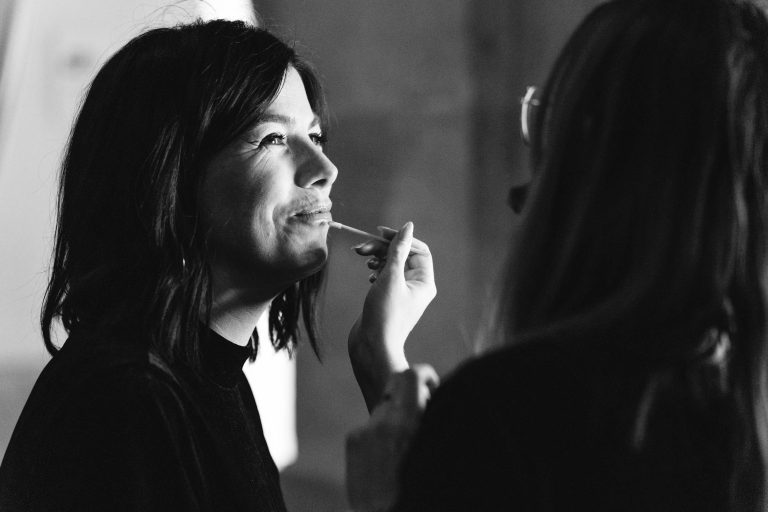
(319, 139)
(273, 139)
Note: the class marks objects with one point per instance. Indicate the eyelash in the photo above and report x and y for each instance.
(319, 139)
(279, 139)
(272, 139)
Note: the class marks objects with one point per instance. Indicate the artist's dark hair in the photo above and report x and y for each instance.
(129, 254)
(647, 226)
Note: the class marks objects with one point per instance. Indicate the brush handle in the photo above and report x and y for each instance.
(360, 232)
(365, 234)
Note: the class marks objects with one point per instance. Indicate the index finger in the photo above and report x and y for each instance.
(417, 245)
(379, 248)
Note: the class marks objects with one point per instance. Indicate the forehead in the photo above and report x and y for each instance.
(291, 100)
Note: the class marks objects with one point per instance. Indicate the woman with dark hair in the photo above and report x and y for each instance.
(194, 199)
(633, 372)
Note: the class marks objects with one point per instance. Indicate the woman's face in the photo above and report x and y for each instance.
(265, 198)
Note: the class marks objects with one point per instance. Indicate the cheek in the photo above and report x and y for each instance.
(264, 215)
(232, 201)
(247, 206)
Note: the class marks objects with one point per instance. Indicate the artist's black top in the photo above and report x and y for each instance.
(543, 427)
(110, 426)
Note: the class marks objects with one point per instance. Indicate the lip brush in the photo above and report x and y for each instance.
(365, 234)
(339, 225)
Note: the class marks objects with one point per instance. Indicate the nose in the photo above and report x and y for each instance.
(315, 169)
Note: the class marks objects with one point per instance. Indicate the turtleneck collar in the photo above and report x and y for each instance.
(222, 360)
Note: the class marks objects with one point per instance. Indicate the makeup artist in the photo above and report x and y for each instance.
(194, 198)
(632, 366)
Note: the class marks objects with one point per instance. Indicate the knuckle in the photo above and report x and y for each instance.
(426, 372)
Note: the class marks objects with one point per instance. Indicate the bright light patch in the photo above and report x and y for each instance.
(273, 382)
(227, 10)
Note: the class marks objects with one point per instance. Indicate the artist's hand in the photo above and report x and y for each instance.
(375, 451)
(403, 287)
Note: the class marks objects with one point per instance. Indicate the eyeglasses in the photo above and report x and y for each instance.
(517, 195)
(527, 103)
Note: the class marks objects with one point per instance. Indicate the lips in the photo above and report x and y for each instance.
(315, 212)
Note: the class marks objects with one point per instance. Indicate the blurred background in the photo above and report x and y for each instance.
(425, 97)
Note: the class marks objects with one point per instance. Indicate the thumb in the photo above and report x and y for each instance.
(400, 248)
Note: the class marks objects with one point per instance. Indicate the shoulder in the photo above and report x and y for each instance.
(492, 388)
(531, 390)
(512, 373)
(101, 379)
(472, 449)
(490, 424)
(497, 385)
(482, 400)
(102, 359)
(96, 410)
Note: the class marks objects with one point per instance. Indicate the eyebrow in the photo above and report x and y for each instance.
(280, 118)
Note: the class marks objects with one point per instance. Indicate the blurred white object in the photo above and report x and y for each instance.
(54, 49)
(227, 10)
(273, 381)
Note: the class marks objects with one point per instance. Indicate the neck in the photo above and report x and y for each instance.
(235, 320)
(236, 310)
(239, 302)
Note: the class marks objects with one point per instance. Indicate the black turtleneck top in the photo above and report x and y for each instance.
(110, 426)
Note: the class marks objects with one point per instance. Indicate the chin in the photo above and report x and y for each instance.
(312, 261)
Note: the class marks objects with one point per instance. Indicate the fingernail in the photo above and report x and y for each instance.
(365, 246)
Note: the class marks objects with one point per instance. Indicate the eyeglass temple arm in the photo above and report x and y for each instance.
(526, 102)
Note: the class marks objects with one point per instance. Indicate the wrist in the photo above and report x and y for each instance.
(373, 364)
(372, 353)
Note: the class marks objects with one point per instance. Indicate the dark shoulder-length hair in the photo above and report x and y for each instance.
(647, 223)
(129, 254)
